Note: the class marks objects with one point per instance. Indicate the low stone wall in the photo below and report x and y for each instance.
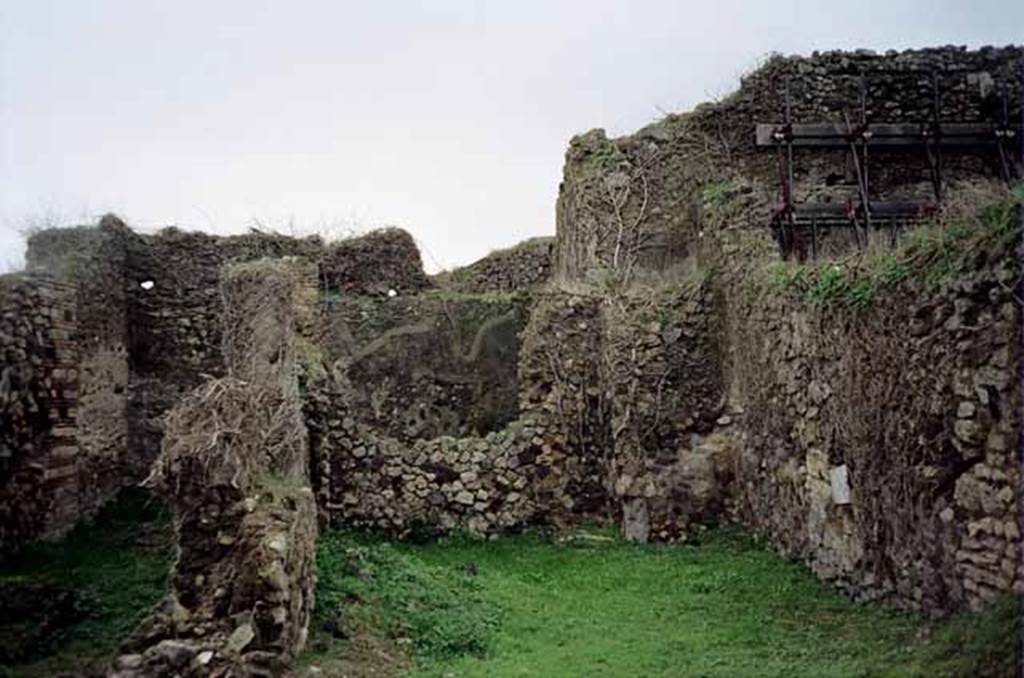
(482, 485)
(375, 263)
(547, 466)
(525, 266)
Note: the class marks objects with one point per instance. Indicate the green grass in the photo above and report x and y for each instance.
(116, 567)
(727, 606)
(437, 611)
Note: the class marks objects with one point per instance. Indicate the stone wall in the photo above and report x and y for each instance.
(40, 479)
(878, 442)
(149, 315)
(127, 351)
(525, 266)
(375, 263)
(530, 470)
(176, 321)
(235, 470)
(620, 400)
(92, 260)
(75, 295)
(670, 468)
(858, 423)
(150, 312)
(431, 364)
(667, 373)
(630, 205)
(544, 467)
(561, 393)
(483, 485)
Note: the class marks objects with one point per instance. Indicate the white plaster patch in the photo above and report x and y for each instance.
(840, 485)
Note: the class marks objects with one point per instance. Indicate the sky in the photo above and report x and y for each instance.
(447, 118)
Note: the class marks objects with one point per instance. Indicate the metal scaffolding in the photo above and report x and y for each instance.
(798, 225)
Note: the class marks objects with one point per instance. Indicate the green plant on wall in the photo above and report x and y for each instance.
(929, 255)
(786, 277)
(664, 317)
(889, 271)
(831, 283)
(604, 278)
(608, 157)
(717, 194)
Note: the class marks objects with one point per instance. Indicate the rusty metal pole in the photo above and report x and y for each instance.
(789, 168)
(937, 108)
(1020, 378)
(864, 135)
(1005, 164)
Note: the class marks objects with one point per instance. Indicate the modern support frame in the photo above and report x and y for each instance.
(793, 222)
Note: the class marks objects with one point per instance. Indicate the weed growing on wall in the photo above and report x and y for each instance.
(929, 255)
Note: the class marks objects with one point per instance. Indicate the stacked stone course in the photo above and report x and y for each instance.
(41, 494)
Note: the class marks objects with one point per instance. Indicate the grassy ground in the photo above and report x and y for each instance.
(598, 607)
(588, 605)
(92, 589)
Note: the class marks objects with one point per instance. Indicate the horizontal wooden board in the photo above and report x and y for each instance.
(834, 135)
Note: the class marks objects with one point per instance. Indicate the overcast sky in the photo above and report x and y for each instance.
(449, 119)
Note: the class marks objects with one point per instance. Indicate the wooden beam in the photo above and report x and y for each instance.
(834, 213)
(881, 135)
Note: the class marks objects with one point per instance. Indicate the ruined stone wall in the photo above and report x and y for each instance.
(546, 466)
(621, 402)
(131, 350)
(150, 320)
(176, 324)
(374, 263)
(235, 470)
(631, 205)
(894, 391)
(40, 482)
(562, 394)
(430, 364)
(542, 467)
(76, 289)
(525, 266)
(93, 260)
(878, 442)
(670, 467)
(483, 485)
(416, 422)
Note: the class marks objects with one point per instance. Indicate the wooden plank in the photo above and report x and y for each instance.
(884, 209)
(837, 214)
(834, 135)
